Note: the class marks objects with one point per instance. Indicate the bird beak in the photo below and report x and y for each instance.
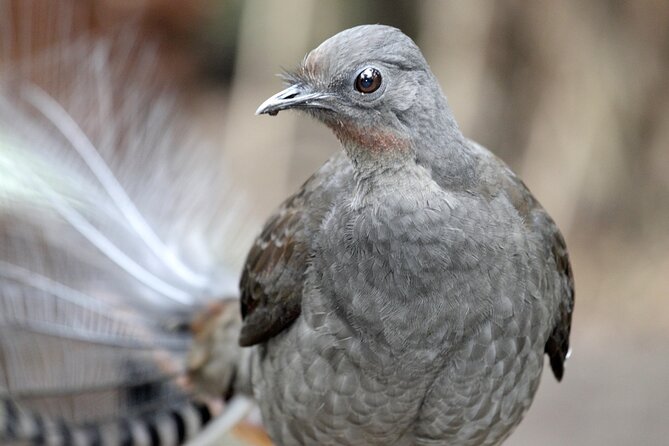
(295, 96)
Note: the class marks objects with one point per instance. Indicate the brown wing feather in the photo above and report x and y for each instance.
(271, 283)
(271, 292)
(557, 347)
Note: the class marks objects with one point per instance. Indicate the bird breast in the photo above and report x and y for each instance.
(383, 267)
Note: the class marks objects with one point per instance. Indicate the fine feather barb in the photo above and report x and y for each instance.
(97, 268)
(57, 116)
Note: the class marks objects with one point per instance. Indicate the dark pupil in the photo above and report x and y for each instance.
(368, 81)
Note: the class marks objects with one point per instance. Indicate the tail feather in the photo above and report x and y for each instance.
(117, 226)
(78, 140)
(170, 426)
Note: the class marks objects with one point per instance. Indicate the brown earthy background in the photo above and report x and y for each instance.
(573, 95)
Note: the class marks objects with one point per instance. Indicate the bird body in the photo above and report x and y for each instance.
(387, 349)
(407, 293)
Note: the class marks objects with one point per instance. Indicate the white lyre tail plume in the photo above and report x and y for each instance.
(117, 224)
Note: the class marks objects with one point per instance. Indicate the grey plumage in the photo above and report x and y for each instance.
(407, 293)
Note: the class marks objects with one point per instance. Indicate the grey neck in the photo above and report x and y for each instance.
(439, 145)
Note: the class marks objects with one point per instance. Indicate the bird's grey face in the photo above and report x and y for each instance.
(363, 83)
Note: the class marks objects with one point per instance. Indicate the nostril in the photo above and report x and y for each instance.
(290, 96)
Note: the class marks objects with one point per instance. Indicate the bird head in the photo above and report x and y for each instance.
(372, 86)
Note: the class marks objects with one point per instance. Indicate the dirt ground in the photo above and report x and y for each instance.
(614, 393)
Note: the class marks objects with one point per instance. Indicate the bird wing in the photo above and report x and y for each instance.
(271, 293)
(272, 279)
(557, 258)
(503, 180)
(557, 347)
(557, 265)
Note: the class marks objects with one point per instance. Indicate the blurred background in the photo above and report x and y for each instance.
(573, 95)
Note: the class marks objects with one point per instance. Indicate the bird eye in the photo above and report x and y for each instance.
(368, 81)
